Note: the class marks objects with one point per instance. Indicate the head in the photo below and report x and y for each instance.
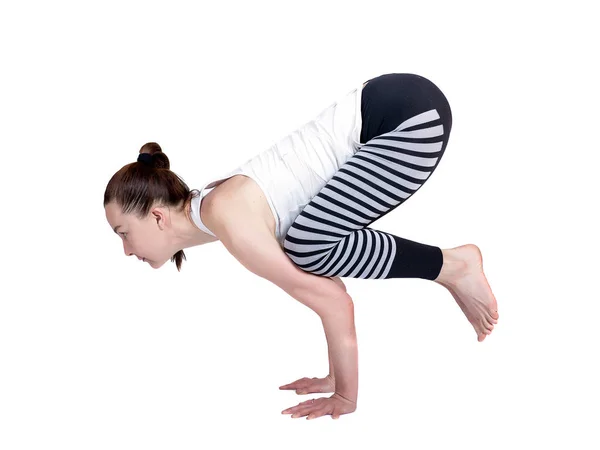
(141, 202)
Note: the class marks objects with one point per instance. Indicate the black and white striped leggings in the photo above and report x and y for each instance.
(406, 123)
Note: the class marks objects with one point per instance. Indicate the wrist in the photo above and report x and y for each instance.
(337, 394)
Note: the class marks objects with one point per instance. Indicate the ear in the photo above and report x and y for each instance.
(160, 216)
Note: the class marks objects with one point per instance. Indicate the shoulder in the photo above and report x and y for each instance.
(237, 188)
(247, 237)
(238, 201)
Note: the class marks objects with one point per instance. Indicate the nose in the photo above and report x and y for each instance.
(127, 250)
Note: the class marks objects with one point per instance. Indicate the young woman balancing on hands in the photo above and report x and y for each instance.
(299, 215)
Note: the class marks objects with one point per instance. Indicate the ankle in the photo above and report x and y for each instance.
(452, 268)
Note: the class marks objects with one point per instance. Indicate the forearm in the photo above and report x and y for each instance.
(331, 368)
(329, 299)
(343, 351)
(340, 283)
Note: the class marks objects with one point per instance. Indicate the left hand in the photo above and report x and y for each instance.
(335, 405)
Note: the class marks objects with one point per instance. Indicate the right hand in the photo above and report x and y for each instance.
(311, 385)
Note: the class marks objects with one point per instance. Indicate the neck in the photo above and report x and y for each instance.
(186, 233)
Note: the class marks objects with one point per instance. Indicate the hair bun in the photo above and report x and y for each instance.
(159, 159)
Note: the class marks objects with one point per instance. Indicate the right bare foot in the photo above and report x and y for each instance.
(462, 274)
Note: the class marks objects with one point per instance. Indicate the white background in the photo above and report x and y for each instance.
(100, 351)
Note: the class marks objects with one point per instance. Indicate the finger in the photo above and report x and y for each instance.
(293, 408)
(303, 411)
(296, 384)
(319, 412)
(300, 406)
(335, 414)
(306, 390)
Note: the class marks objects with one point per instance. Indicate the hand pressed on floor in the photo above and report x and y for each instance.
(311, 385)
(335, 405)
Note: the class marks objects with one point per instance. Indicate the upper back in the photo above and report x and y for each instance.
(243, 198)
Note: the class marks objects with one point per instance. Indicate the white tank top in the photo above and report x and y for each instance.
(296, 168)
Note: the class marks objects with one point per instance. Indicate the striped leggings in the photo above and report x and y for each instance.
(406, 123)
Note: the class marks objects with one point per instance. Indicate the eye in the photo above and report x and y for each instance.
(124, 235)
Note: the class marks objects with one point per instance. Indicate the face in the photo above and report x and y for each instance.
(146, 238)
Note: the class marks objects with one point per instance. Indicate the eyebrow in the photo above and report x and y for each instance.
(115, 228)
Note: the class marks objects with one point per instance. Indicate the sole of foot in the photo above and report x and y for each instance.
(469, 286)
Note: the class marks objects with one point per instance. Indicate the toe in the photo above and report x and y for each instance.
(491, 322)
(489, 317)
(494, 314)
(482, 324)
(486, 328)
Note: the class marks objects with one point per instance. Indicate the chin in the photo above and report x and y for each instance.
(156, 265)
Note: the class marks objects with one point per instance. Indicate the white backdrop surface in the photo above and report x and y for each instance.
(100, 351)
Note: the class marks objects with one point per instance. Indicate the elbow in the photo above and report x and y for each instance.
(335, 309)
(340, 283)
(324, 296)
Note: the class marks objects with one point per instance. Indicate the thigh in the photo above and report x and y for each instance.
(389, 100)
(385, 172)
(406, 127)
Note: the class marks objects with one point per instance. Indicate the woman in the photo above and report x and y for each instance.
(298, 213)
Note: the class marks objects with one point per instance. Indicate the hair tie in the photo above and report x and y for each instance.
(146, 158)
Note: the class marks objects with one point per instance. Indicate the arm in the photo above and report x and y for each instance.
(341, 284)
(257, 249)
(343, 352)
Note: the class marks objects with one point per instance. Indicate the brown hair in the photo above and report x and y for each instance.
(138, 186)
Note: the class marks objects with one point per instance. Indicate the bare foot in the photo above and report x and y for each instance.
(462, 274)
